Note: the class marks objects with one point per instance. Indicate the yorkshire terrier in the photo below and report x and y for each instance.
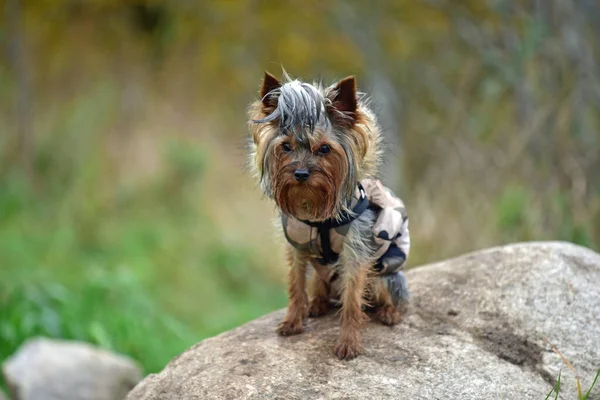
(315, 152)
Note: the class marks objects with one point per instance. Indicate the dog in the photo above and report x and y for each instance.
(315, 151)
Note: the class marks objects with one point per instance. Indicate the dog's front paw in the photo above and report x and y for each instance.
(289, 328)
(348, 350)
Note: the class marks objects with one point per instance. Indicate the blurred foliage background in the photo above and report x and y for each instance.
(127, 218)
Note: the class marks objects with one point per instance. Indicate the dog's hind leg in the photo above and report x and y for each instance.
(319, 293)
(390, 297)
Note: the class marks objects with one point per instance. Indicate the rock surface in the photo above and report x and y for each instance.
(45, 369)
(476, 330)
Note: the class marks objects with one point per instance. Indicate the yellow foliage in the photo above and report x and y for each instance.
(489, 92)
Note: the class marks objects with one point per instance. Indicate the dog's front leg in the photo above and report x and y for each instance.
(298, 302)
(352, 316)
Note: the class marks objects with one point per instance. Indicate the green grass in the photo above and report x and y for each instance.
(138, 269)
(580, 396)
(555, 389)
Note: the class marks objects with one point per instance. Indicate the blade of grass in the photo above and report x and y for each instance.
(557, 387)
(549, 393)
(579, 394)
(554, 388)
(593, 384)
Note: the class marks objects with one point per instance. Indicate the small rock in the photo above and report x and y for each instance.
(48, 369)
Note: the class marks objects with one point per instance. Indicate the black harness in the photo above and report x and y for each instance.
(346, 217)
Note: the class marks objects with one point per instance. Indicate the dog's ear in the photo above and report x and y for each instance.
(269, 84)
(344, 102)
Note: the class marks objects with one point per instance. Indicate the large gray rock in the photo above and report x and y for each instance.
(476, 330)
(45, 369)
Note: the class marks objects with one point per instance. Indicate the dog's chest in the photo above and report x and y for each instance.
(310, 239)
(377, 233)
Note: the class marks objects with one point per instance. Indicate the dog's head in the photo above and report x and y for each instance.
(311, 145)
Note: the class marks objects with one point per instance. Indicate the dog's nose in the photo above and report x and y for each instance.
(301, 175)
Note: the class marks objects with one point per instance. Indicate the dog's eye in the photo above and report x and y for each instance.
(286, 147)
(324, 149)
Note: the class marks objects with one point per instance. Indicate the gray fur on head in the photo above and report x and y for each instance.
(300, 109)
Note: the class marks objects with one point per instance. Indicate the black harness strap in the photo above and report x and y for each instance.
(329, 256)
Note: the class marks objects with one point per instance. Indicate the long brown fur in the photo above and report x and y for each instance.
(320, 294)
(352, 315)
(322, 197)
(298, 301)
(364, 130)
